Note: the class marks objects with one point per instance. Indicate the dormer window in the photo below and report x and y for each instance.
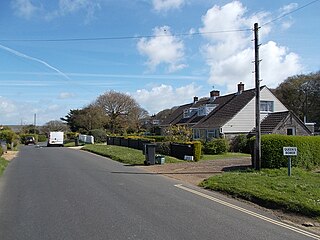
(206, 109)
(187, 113)
(266, 106)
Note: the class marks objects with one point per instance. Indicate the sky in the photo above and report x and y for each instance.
(58, 55)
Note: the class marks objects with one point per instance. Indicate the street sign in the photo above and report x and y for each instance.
(290, 151)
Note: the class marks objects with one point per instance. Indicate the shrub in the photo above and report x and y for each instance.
(42, 138)
(240, 143)
(10, 137)
(216, 146)
(197, 146)
(272, 151)
(1, 151)
(99, 135)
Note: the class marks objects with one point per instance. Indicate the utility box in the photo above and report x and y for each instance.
(150, 153)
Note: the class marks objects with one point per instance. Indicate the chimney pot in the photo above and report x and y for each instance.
(240, 87)
(195, 99)
(214, 94)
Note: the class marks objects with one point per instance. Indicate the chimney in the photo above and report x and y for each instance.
(214, 94)
(240, 88)
(195, 99)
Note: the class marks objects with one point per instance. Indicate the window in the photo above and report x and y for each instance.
(291, 131)
(266, 106)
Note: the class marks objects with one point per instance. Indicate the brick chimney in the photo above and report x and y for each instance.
(214, 94)
(240, 88)
(195, 99)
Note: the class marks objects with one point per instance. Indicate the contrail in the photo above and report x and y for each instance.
(19, 54)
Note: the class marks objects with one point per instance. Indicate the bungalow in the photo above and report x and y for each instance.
(234, 114)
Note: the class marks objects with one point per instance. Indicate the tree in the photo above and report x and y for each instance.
(178, 133)
(86, 119)
(301, 94)
(119, 108)
(55, 125)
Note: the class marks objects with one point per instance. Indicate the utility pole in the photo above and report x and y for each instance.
(257, 147)
(35, 123)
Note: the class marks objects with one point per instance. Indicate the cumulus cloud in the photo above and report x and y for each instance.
(24, 8)
(165, 96)
(230, 54)
(165, 5)
(7, 108)
(164, 48)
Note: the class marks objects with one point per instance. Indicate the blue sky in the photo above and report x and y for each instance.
(161, 52)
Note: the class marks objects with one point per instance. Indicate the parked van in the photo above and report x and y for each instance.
(55, 139)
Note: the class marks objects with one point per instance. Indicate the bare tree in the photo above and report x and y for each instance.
(118, 107)
(55, 125)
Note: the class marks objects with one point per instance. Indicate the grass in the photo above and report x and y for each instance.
(224, 156)
(123, 154)
(273, 188)
(3, 164)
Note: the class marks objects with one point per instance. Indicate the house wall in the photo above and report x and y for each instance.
(244, 121)
(291, 122)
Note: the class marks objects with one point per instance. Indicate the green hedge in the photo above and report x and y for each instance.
(197, 147)
(272, 151)
(216, 146)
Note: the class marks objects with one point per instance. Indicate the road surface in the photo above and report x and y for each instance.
(61, 193)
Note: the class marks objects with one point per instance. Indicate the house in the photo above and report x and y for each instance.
(234, 114)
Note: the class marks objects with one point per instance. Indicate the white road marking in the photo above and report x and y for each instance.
(303, 232)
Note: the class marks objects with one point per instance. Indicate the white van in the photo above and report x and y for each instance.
(55, 139)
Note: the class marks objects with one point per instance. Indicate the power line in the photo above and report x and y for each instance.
(288, 13)
(123, 37)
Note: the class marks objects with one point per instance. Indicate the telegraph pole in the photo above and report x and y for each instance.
(35, 122)
(257, 147)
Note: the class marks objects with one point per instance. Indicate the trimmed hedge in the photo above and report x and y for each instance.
(197, 147)
(272, 151)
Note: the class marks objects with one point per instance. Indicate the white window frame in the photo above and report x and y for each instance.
(266, 106)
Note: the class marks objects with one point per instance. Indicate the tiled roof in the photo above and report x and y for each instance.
(177, 115)
(228, 107)
(270, 122)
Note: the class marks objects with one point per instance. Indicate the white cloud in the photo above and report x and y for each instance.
(164, 48)
(27, 9)
(24, 8)
(165, 5)
(230, 54)
(165, 96)
(65, 95)
(7, 107)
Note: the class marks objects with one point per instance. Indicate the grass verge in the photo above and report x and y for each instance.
(224, 156)
(123, 154)
(272, 188)
(3, 164)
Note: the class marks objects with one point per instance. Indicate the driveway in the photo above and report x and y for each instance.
(196, 172)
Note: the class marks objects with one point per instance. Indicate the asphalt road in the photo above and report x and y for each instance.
(60, 193)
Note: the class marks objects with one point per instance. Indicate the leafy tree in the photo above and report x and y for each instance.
(9, 136)
(121, 110)
(86, 119)
(176, 133)
(301, 94)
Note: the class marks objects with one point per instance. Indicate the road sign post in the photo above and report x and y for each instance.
(290, 151)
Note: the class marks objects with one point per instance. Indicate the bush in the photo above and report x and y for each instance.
(1, 151)
(100, 135)
(10, 137)
(272, 151)
(42, 138)
(216, 146)
(197, 146)
(240, 144)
